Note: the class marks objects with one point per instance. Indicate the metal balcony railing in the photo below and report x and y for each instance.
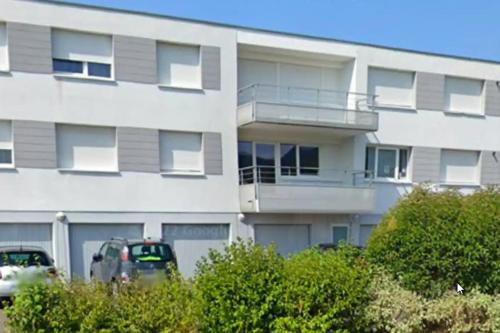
(304, 176)
(322, 98)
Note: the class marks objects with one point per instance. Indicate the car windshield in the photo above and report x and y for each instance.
(144, 252)
(24, 258)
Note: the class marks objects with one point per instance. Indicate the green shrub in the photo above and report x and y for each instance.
(239, 289)
(393, 309)
(77, 307)
(430, 241)
(323, 292)
(167, 306)
(480, 221)
(471, 313)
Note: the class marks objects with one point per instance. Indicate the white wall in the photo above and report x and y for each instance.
(77, 101)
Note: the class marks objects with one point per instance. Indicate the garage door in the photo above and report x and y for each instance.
(365, 232)
(288, 238)
(28, 234)
(192, 241)
(86, 239)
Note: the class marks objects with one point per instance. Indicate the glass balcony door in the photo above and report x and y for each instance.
(266, 163)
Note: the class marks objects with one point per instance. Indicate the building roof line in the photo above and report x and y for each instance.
(263, 30)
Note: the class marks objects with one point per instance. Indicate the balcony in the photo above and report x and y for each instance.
(263, 106)
(268, 189)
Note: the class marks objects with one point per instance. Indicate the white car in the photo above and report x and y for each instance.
(23, 263)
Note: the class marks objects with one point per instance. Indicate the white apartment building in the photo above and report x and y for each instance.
(115, 123)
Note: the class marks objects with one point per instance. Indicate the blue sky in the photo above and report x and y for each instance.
(469, 28)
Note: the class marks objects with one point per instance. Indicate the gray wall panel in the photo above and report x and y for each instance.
(211, 67)
(426, 164)
(135, 59)
(34, 144)
(30, 48)
(138, 149)
(490, 168)
(212, 151)
(430, 91)
(492, 99)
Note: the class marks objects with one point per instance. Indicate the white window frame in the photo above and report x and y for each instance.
(166, 44)
(341, 225)
(7, 146)
(410, 106)
(397, 166)
(481, 96)
(297, 160)
(114, 169)
(85, 71)
(85, 63)
(477, 170)
(182, 172)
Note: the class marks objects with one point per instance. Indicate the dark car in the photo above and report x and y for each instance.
(120, 259)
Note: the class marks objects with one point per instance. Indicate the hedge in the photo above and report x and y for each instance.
(432, 240)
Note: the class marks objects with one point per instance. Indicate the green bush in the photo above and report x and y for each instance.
(239, 289)
(480, 221)
(393, 309)
(77, 307)
(323, 292)
(165, 306)
(471, 313)
(430, 241)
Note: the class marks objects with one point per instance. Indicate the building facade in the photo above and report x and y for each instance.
(114, 123)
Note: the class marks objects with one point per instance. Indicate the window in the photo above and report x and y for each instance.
(81, 54)
(86, 148)
(113, 251)
(4, 58)
(303, 160)
(5, 143)
(147, 252)
(180, 152)
(463, 95)
(288, 160)
(459, 166)
(340, 234)
(179, 65)
(265, 160)
(245, 162)
(382, 162)
(392, 87)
